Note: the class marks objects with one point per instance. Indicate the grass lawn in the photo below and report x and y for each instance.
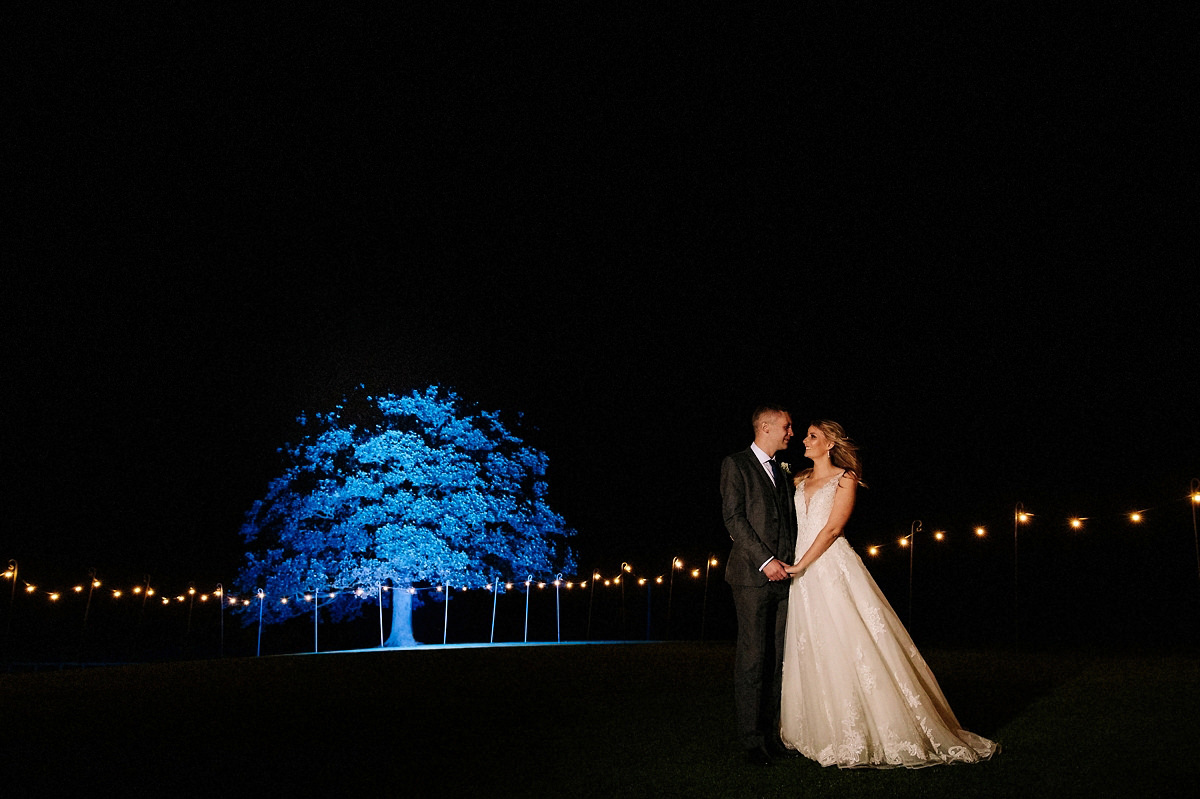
(571, 720)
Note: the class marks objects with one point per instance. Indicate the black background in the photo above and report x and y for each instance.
(965, 234)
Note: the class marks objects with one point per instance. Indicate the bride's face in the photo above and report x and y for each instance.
(816, 444)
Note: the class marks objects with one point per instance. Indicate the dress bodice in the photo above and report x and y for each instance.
(812, 512)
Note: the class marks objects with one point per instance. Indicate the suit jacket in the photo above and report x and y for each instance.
(760, 518)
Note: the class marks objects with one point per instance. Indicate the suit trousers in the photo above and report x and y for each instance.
(758, 660)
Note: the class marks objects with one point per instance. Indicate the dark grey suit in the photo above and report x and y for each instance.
(761, 520)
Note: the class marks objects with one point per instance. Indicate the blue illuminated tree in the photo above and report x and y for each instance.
(405, 492)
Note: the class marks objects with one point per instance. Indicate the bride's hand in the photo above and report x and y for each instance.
(794, 570)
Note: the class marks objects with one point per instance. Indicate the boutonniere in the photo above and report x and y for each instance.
(787, 468)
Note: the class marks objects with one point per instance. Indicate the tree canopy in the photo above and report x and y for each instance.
(406, 491)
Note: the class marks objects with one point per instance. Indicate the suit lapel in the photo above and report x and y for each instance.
(770, 488)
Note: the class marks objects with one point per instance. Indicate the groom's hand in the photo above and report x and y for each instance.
(775, 570)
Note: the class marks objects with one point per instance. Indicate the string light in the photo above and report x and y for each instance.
(1076, 523)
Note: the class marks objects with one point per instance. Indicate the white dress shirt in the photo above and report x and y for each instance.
(765, 460)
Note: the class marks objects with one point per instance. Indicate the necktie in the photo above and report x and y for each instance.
(776, 472)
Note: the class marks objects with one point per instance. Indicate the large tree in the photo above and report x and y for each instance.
(400, 491)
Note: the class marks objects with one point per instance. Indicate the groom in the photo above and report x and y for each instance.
(757, 504)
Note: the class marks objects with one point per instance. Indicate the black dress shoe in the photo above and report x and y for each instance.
(758, 756)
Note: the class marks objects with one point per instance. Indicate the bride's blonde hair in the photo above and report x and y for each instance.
(844, 454)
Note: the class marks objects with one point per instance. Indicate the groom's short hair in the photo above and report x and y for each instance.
(764, 410)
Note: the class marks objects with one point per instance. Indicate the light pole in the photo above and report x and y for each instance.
(262, 595)
(93, 584)
(380, 585)
(146, 592)
(219, 593)
(676, 563)
(911, 540)
(495, 586)
(11, 573)
(191, 605)
(712, 561)
(1020, 516)
(558, 581)
(1194, 490)
(627, 569)
(528, 591)
(316, 595)
(591, 599)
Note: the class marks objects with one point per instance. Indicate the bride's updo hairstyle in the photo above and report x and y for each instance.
(844, 454)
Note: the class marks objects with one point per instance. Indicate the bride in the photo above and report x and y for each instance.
(856, 692)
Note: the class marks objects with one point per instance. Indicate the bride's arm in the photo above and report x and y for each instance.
(843, 503)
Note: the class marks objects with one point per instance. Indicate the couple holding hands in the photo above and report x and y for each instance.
(823, 667)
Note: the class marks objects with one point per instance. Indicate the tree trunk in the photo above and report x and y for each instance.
(401, 634)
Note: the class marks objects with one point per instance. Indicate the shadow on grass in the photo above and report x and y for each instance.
(578, 720)
(988, 690)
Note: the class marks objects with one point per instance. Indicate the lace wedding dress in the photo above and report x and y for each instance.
(856, 692)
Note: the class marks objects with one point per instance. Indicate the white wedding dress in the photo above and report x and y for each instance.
(856, 693)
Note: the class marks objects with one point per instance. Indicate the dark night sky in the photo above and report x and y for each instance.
(967, 235)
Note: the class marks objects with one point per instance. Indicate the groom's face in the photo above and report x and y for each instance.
(779, 430)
